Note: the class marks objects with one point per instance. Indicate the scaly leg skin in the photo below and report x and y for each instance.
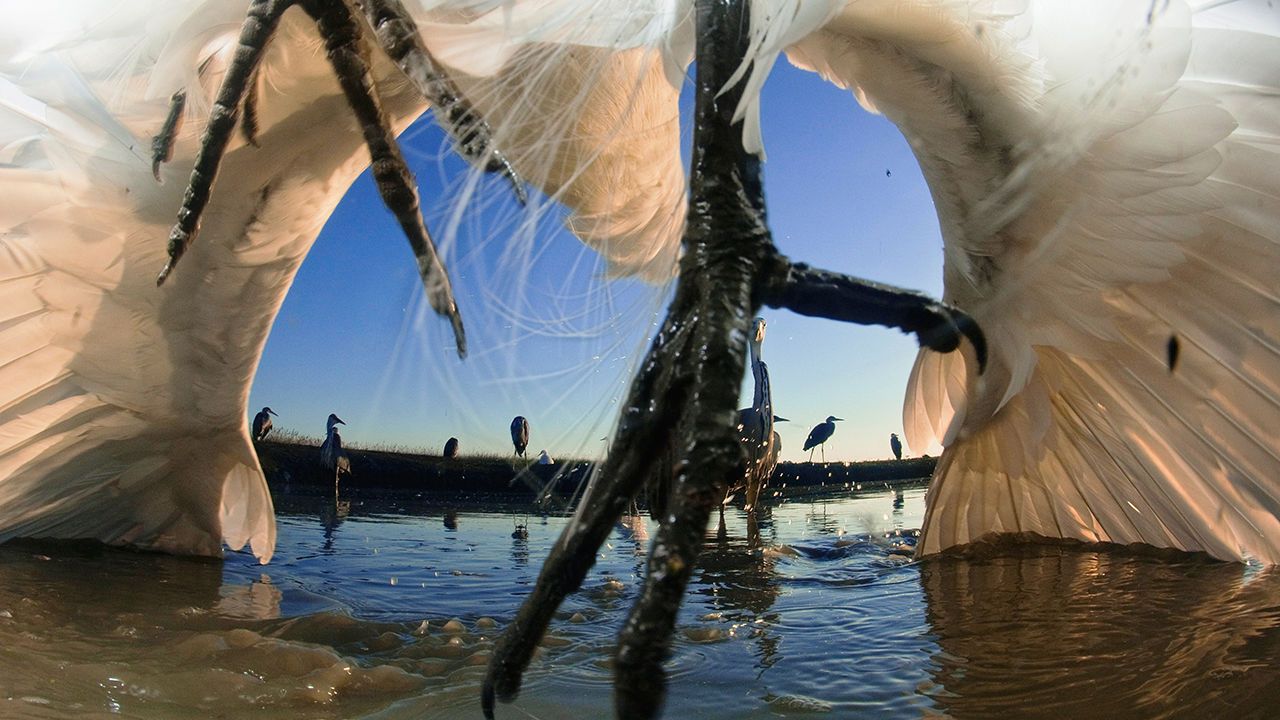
(341, 31)
(162, 143)
(643, 432)
(726, 247)
(398, 35)
(259, 26)
(729, 267)
(821, 293)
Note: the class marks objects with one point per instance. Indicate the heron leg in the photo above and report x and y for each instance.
(645, 640)
(398, 35)
(342, 34)
(643, 433)
(259, 25)
(754, 484)
(162, 143)
(689, 381)
(728, 268)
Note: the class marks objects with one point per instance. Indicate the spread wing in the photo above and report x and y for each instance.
(1099, 194)
(122, 405)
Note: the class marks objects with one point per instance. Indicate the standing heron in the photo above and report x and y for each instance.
(819, 436)
(520, 434)
(262, 423)
(332, 456)
(755, 424)
(895, 445)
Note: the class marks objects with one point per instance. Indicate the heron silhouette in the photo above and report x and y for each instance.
(895, 445)
(755, 424)
(520, 434)
(332, 456)
(819, 436)
(262, 423)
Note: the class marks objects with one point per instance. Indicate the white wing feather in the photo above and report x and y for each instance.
(123, 406)
(1099, 193)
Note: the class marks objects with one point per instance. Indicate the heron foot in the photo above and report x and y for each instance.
(682, 404)
(342, 32)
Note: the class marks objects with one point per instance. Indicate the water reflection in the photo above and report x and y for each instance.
(1053, 633)
(740, 582)
(842, 625)
(820, 521)
(520, 549)
(520, 541)
(332, 513)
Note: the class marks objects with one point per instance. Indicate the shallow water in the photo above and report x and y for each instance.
(388, 610)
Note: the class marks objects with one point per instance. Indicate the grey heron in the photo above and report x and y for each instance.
(451, 448)
(755, 424)
(819, 436)
(895, 445)
(332, 456)
(262, 423)
(520, 434)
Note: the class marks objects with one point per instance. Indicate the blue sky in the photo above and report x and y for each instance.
(552, 341)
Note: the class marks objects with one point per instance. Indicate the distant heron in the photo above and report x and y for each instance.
(819, 436)
(262, 423)
(545, 459)
(755, 424)
(451, 448)
(520, 434)
(332, 456)
(896, 445)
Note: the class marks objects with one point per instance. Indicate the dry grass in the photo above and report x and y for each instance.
(289, 436)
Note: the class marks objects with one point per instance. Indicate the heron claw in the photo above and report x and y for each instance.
(398, 35)
(822, 293)
(342, 32)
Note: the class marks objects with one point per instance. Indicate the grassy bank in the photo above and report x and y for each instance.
(291, 466)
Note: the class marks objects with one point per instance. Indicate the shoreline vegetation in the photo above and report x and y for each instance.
(292, 465)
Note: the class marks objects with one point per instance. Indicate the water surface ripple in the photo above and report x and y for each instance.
(388, 609)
